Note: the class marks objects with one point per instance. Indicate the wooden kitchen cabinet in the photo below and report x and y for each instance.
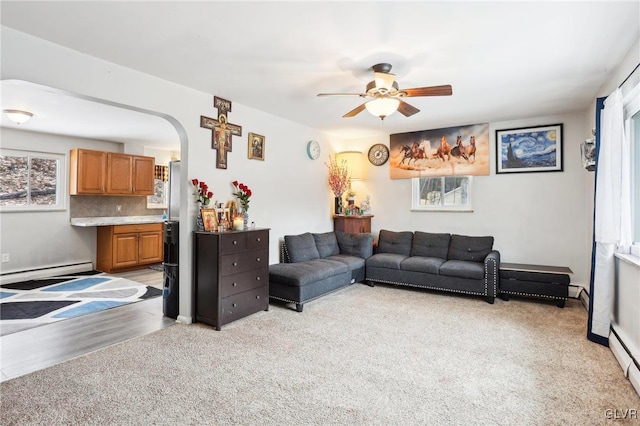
(128, 247)
(88, 172)
(110, 173)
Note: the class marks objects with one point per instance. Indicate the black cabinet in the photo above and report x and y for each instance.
(231, 275)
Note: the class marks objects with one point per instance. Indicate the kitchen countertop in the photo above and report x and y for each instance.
(115, 220)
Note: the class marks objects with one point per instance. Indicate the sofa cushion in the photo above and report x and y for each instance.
(426, 244)
(360, 245)
(429, 265)
(385, 260)
(353, 262)
(301, 247)
(474, 249)
(303, 273)
(395, 242)
(327, 244)
(462, 269)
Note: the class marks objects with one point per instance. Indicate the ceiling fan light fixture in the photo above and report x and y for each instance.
(17, 116)
(382, 107)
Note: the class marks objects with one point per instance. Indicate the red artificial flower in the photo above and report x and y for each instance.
(194, 181)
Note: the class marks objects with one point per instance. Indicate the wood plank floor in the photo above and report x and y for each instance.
(41, 347)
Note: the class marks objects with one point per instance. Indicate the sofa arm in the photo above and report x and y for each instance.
(360, 245)
(492, 273)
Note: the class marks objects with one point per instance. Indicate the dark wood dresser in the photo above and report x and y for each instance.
(231, 272)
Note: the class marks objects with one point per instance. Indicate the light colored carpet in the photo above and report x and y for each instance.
(383, 355)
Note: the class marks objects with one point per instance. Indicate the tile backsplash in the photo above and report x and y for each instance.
(107, 206)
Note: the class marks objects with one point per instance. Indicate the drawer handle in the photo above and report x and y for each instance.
(235, 242)
(235, 263)
(234, 305)
(258, 239)
(257, 278)
(258, 259)
(257, 297)
(234, 284)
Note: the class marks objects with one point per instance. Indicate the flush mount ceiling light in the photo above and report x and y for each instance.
(17, 116)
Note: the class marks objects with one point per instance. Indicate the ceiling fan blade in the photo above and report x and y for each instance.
(406, 109)
(362, 95)
(355, 111)
(444, 90)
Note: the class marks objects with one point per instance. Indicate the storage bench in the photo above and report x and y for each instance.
(548, 282)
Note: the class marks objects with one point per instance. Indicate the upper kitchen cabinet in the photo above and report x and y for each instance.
(110, 173)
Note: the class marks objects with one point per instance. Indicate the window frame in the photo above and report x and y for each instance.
(61, 180)
(415, 196)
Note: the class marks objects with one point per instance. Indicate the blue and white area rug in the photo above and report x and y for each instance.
(28, 304)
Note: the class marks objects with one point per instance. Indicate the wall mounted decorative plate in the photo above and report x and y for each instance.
(378, 154)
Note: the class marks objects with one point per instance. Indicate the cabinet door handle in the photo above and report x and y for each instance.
(235, 263)
(234, 305)
(257, 259)
(257, 278)
(257, 297)
(235, 242)
(234, 284)
(258, 239)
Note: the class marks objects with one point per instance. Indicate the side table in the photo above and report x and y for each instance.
(352, 224)
(549, 282)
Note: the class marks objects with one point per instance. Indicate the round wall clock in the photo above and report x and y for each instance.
(378, 154)
(313, 150)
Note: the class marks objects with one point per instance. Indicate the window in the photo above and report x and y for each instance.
(31, 181)
(632, 128)
(441, 193)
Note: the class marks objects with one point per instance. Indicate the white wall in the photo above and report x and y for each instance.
(290, 191)
(535, 218)
(43, 239)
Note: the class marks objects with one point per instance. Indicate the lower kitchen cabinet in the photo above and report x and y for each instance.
(231, 273)
(128, 247)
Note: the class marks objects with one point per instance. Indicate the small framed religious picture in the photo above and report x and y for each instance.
(209, 219)
(256, 146)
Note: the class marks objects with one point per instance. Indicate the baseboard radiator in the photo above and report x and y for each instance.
(44, 272)
(627, 357)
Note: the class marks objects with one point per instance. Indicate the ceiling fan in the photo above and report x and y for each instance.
(386, 95)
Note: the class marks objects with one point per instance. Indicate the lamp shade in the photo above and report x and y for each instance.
(354, 163)
(382, 107)
(17, 116)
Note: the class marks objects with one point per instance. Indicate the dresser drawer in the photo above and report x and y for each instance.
(238, 283)
(233, 242)
(257, 240)
(242, 304)
(232, 264)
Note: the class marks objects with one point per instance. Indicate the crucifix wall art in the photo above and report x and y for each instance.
(221, 131)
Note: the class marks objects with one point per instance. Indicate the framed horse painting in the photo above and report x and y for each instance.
(451, 151)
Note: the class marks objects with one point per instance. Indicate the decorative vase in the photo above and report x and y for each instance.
(246, 219)
(199, 221)
(338, 205)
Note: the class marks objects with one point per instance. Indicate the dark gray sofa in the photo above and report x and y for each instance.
(456, 263)
(316, 264)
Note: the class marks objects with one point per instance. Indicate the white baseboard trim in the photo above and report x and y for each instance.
(627, 356)
(634, 377)
(184, 319)
(44, 272)
(584, 298)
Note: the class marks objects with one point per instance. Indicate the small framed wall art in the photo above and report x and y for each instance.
(256, 146)
(529, 149)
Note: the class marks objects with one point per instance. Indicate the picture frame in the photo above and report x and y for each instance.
(529, 149)
(256, 147)
(209, 219)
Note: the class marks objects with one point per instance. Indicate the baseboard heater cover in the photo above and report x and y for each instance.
(630, 366)
(48, 271)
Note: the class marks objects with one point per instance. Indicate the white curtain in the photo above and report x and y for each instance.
(612, 209)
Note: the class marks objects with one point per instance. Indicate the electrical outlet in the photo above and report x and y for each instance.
(118, 208)
(5, 258)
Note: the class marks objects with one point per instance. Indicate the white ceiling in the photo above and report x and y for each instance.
(505, 60)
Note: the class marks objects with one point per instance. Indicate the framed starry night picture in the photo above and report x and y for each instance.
(529, 149)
